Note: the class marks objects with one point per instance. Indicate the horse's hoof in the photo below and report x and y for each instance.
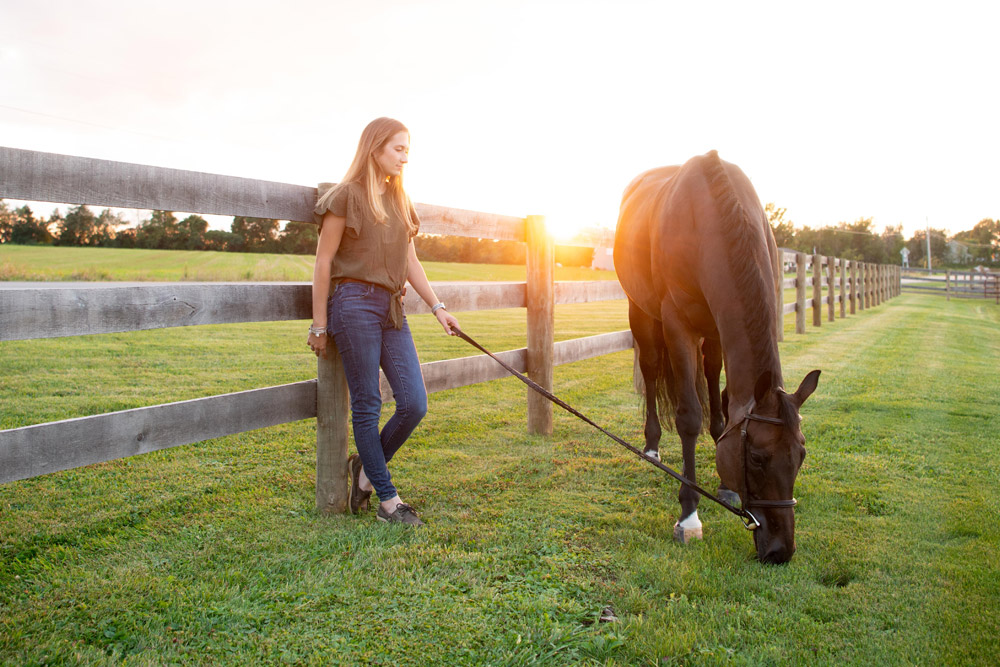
(685, 535)
(688, 529)
(729, 496)
(652, 453)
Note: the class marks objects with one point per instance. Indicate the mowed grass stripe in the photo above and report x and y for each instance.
(212, 552)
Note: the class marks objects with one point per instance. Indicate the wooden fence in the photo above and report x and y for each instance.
(982, 284)
(851, 286)
(972, 285)
(33, 311)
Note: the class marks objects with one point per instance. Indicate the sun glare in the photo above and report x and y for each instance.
(564, 228)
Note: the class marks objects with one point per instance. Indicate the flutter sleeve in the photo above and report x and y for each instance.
(341, 200)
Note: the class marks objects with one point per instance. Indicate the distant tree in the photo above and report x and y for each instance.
(574, 255)
(918, 248)
(783, 230)
(106, 227)
(259, 234)
(124, 238)
(159, 231)
(983, 240)
(79, 227)
(6, 222)
(216, 239)
(55, 221)
(191, 233)
(26, 230)
(298, 238)
(893, 241)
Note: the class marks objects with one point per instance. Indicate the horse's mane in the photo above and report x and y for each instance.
(746, 255)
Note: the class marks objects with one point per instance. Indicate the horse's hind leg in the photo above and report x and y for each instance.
(712, 350)
(649, 338)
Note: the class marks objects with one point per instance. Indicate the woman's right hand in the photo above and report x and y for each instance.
(318, 344)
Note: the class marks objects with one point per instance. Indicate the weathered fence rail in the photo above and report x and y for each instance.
(972, 285)
(33, 311)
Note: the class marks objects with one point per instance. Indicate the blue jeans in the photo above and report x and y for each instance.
(358, 320)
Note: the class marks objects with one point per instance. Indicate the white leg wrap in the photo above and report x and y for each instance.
(688, 529)
(653, 454)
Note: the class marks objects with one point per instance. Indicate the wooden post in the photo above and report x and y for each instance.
(800, 293)
(830, 287)
(331, 433)
(947, 284)
(817, 290)
(843, 287)
(854, 286)
(540, 299)
(866, 284)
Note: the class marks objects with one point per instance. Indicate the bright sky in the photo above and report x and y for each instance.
(836, 111)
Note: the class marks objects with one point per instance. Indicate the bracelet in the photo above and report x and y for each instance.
(317, 331)
(436, 307)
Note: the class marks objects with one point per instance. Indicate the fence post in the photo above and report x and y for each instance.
(540, 298)
(817, 290)
(843, 287)
(854, 286)
(866, 284)
(947, 284)
(331, 433)
(830, 291)
(800, 293)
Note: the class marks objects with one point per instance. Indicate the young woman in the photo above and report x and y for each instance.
(364, 258)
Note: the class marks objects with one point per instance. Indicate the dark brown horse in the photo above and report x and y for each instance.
(696, 257)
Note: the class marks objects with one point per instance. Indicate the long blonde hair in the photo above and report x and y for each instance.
(364, 171)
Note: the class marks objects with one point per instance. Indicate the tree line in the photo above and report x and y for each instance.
(859, 241)
(162, 230)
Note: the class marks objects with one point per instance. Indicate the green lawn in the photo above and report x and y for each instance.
(19, 262)
(213, 553)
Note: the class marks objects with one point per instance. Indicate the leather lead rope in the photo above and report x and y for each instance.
(746, 516)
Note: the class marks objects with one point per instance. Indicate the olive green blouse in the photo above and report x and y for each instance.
(370, 251)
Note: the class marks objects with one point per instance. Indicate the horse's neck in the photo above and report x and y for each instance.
(744, 365)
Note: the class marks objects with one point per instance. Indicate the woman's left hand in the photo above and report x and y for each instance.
(447, 321)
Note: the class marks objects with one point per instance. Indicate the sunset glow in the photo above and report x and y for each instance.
(881, 110)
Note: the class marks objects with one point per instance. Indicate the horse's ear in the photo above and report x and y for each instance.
(807, 387)
(762, 387)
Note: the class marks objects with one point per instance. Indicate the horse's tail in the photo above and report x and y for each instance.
(666, 394)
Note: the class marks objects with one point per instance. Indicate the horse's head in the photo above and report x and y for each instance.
(760, 454)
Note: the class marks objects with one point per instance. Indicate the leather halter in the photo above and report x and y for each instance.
(748, 502)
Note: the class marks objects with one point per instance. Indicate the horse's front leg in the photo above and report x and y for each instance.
(684, 364)
(712, 349)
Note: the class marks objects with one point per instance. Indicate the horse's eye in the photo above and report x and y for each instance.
(757, 460)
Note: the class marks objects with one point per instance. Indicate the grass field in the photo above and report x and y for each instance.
(47, 263)
(213, 553)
